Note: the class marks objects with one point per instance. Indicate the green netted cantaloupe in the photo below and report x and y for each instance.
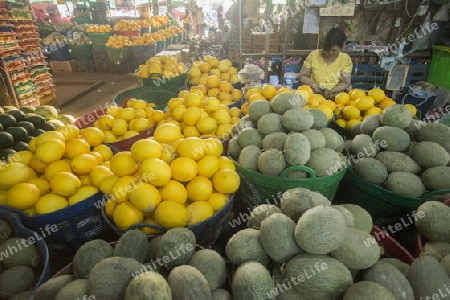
(152, 248)
(434, 222)
(15, 280)
(26, 295)
(249, 136)
(405, 184)
(397, 115)
(285, 101)
(252, 281)
(391, 138)
(391, 278)
(358, 251)
(295, 202)
(430, 154)
(88, 255)
(21, 256)
(445, 261)
(49, 289)
(297, 119)
(371, 169)
(188, 283)
(248, 158)
(316, 138)
(76, 289)
(325, 162)
(110, 277)
(334, 139)
(277, 237)
(258, 109)
(260, 213)
(368, 290)
(179, 242)
(437, 249)
(220, 294)
(271, 162)
(132, 244)
(434, 132)
(5, 231)
(427, 276)
(347, 215)
(369, 124)
(398, 264)
(274, 140)
(297, 149)
(269, 123)
(245, 245)
(280, 280)
(233, 148)
(355, 129)
(398, 162)
(149, 286)
(320, 277)
(413, 126)
(320, 230)
(363, 220)
(436, 178)
(363, 146)
(244, 122)
(212, 266)
(320, 119)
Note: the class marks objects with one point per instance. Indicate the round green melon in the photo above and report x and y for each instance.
(369, 124)
(405, 184)
(316, 139)
(269, 123)
(252, 281)
(363, 146)
(188, 283)
(14, 280)
(297, 149)
(437, 178)
(368, 290)
(245, 245)
(149, 286)
(285, 101)
(248, 158)
(346, 214)
(430, 154)
(325, 162)
(260, 213)
(297, 119)
(233, 148)
(271, 162)
(88, 255)
(433, 220)
(21, 253)
(212, 266)
(295, 202)
(362, 219)
(76, 289)
(259, 108)
(397, 115)
(391, 138)
(398, 162)
(333, 139)
(49, 289)
(274, 140)
(178, 244)
(132, 244)
(249, 136)
(320, 119)
(371, 169)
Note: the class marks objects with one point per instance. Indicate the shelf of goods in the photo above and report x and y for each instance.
(26, 72)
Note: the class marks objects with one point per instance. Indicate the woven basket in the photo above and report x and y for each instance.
(206, 232)
(42, 270)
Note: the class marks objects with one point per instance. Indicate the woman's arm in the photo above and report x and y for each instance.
(305, 77)
(344, 83)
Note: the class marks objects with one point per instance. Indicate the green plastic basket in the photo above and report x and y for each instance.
(159, 97)
(159, 82)
(81, 52)
(257, 188)
(117, 55)
(99, 39)
(385, 207)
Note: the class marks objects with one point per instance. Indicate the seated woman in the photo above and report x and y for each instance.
(327, 70)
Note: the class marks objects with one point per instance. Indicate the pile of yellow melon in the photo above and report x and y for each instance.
(61, 168)
(161, 66)
(353, 107)
(168, 181)
(127, 25)
(99, 28)
(118, 41)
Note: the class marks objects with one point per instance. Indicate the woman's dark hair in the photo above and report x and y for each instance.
(335, 37)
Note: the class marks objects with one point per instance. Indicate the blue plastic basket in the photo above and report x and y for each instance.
(77, 224)
(42, 270)
(206, 232)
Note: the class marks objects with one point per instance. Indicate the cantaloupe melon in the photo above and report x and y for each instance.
(434, 221)
(277, 237)
(434, 132)
(26, 256)
(391, 138)
(274, 140)
(398, 264)
(368, 290)
(244, 122)
(371, 169)
(149, 285)
(363, 146)
(248, 158)
(14, 280)
(132, 244)
(316, 138)
(220, 294)
(259, 108)
(269, 123)
(346, 213)
(249, 136)
(251, 281)
(285, 287)
(437, 249)
(320, 230)
(76, 289)
(413, 126)
(260, 213)
(334, 139)
(405, 184)
(187, 283)
(320, 119)
(397, 115)
(369, 124)
(320, 277)
(178, 244)
(285, 101)
(325, 162)
(436, 178)
(355, 129)
(363, 220)
(245, 245)
(391, 278)
(445, 261)
(88, 255)
(49, 289)
(297, 119)
(427, 277)
(430, 154)
(297, 149)
(398, 162)
(152, 248)
(212, 266)
(271, 162)
(295, 202)
(358, 251)
(233, 148)
(26, 295)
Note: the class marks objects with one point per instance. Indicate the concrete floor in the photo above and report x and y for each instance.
(78, 94)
